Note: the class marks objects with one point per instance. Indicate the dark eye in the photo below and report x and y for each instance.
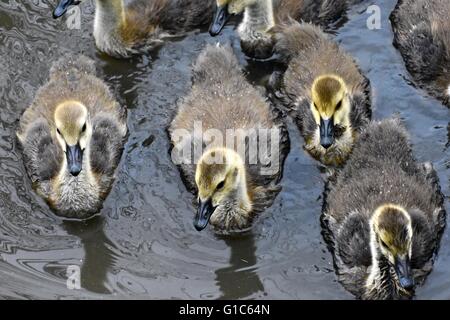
(384, 244)
(57, 130)
(220, 185)
(84, 128)
(315, 106)
(339, 105)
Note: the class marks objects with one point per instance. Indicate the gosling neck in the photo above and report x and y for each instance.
(109, 17)
(259, 16)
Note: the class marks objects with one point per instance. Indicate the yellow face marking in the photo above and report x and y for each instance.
(70, 117)
(393, 226)
(209, 176)
(328, 93)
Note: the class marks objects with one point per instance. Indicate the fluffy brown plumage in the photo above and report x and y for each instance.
(222, 99)
(321, 82)
(52, 123)
(383, 215)
(421, 34)
(262, 15)
(121, 30)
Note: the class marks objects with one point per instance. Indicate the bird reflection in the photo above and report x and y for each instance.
(98, 258)
(239, 280)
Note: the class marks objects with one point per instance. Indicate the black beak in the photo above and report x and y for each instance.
(74, 156)
(220, 19)
(62, 7)
(326, 132)
(403, 270)
(204, 212)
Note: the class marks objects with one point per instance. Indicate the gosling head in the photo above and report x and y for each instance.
(63, 6)
(220, 179)
(73, 131)
(226, 8)
(330, 107)
(392, 233)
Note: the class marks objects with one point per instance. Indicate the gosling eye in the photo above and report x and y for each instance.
(338, 106)
(315, 106)
(84, 127)
(384, 245)
(220, 185)
(57, 130)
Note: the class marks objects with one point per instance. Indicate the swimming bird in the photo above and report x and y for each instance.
(121, 30)
(383, 215)
(233, 179)
(72, 137)
(421, 34)
(260, 16)
(324, 90)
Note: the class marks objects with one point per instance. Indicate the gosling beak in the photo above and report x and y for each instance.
(403, 270)
(220, 19)
(62, 7)
(326, 132)
(204, 212)
(74, 156)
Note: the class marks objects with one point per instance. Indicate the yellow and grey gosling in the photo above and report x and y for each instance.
(230, 189)
(324, 90)
(121, 30)
(421, 34)
(383, 216)
(72, 137)
(260, 16)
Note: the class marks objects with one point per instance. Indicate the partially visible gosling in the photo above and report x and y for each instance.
(383, 216)
(324, 89)
(260, 16)
(231, 188)
(123, 28)
(72, 137)
(421, 34)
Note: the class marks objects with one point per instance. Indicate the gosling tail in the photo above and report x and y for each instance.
(215, 64)
(69, 62)
(293, 37)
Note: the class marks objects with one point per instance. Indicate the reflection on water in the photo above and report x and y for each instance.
(239, 280)
(98, 257)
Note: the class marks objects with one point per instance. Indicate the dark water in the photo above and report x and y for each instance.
(144, 245)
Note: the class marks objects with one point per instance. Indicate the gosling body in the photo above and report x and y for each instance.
(383, 216)
(260, 16)
(121, 30)
(72, 137)
(324, 90)
(421, 34)
(231, 192)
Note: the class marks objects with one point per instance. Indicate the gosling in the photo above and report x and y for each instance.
(421, 34)
(123, 30)
(323, 89)
(230, 187)
(383, 216)
(260, 16)
(72, 138)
